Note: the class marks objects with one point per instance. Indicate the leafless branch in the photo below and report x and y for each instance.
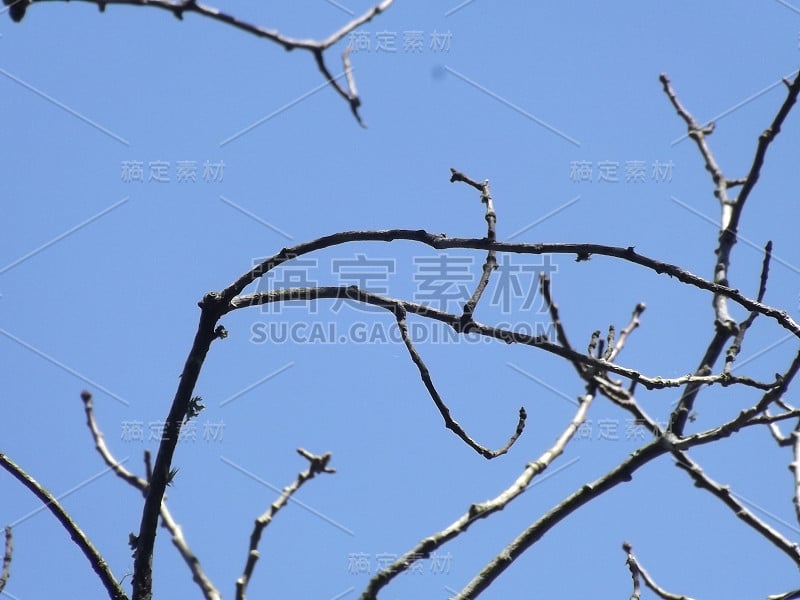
(317, 464)
(315, 47)
(505, 335)
(695, 131)
(723, 493)
(449, 422)
(794, 467)
(764, 140)
(51, 503)
(491, 261)
(102, 449)
(792, 595)
(9, 550)
(442, 242)
(626, 332)
(210, 592)
(666, 442)
(637, 570)
(622, 473)
(555, 317)
(482, 510)
(736, 346)
(725, 326)
(746, 417)
(207, 332)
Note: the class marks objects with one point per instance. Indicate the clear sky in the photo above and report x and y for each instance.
(148, 161)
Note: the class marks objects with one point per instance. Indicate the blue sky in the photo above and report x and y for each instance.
(100, 277)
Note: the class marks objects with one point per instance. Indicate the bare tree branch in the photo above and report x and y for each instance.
(506, 335)
(736, 346)
(316, 48)
(207, 332)
(764, 140)
(626, 332)
(794, 467)
(449, 422)
(442, 242)
(482, 510)
(723, 493)
(793, 595)
(491, 261)
(208, 589)
(7, 553)
(317, 464)
(636, 570)
(731, 210)
(622, 473)
(51, 503)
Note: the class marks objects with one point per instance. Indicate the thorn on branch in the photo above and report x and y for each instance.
(171, 475)
(195, 407)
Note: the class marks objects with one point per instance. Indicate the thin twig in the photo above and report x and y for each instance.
(505, 335)
(545, 286)
(208, 589)
(490, 264)
(7, 553)
(736, 346)
(317, 464)
(315, 47)
(622, 473)
(449, 422)
(723, 493)
(636, 570)
(431, 543)
(636, 315)
(731, 210)
(794, 467)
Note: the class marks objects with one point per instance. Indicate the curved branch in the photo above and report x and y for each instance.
(207, 332)
(450, 423)
(480, 511)
(180, 7)
(98, 563)
(317, 464)
(198, 574)
(622, 473)
(442, 242)
(636, 570)
(505, 335)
